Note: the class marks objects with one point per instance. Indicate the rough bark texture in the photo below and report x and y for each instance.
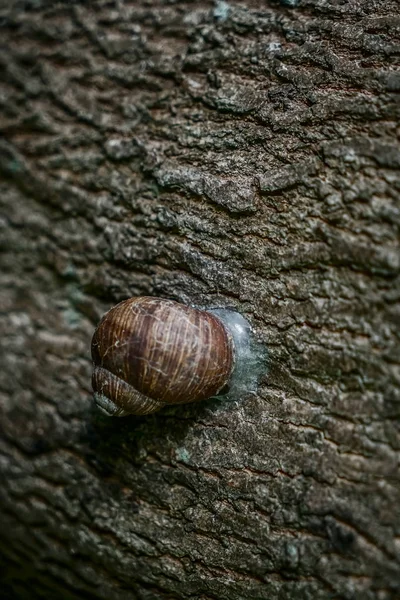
(236, 154)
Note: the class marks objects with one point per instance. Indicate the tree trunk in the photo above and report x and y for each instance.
(236, 154)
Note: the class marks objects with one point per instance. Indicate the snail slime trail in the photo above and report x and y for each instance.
(151, 352)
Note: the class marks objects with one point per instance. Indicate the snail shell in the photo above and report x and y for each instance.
(149, 352)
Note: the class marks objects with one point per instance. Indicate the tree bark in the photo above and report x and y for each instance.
(238, 154)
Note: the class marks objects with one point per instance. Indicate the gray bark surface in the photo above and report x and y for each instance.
(238, 154)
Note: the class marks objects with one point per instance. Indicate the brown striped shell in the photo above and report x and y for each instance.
(149, 352)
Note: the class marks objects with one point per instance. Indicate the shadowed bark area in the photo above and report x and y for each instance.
(239, 154)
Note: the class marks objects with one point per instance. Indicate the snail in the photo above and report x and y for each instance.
(150, 352)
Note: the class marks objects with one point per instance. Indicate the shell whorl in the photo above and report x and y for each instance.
(149, 352)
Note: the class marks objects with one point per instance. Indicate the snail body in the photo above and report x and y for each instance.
(151, 352)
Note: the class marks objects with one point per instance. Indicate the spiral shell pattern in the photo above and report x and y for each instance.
(149, 352)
